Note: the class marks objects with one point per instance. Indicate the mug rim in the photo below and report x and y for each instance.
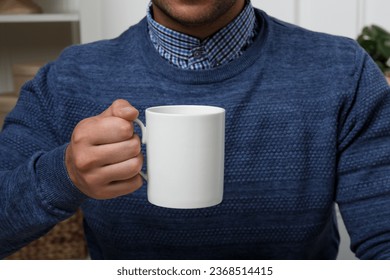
(192, 110)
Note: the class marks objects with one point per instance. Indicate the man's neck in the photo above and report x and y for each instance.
(200, 31)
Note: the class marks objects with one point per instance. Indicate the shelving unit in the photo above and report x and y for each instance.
(64, 17)
(32, 38)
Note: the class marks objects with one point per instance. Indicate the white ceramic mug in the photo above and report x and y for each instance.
(185, 147)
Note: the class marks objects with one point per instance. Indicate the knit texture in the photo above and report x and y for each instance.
(307, 125)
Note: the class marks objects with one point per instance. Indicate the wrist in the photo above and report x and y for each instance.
(56, 189)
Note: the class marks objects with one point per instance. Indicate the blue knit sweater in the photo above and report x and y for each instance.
(308, 126)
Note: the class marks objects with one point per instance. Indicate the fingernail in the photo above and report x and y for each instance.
(127, 110)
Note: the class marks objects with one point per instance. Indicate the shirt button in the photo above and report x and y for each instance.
(198, 53)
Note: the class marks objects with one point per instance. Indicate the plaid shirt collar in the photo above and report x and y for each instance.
(188, 52)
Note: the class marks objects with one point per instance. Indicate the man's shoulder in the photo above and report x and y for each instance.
(103, 52)
(310, 48)
(303, 37)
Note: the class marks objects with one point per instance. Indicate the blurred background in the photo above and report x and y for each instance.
(33, 33)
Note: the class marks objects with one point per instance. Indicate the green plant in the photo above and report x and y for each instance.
(376, 41)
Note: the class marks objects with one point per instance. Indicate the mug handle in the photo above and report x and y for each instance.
(143, 141)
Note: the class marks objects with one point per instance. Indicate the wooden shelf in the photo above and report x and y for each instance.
(39, 18)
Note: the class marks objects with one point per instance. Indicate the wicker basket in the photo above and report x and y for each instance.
(64, 242)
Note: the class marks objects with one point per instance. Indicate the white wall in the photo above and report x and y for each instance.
(340, 17)
(118, 15)
(104, 19)
(282, 9)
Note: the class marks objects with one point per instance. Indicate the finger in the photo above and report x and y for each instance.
(120, 188)
(110, 130)
(122, 171)
(127, 186)
(122, 109)
(117, 152)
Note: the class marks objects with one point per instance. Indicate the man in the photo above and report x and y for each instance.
(308, 125)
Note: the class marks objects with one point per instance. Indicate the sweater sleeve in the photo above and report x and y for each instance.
(363, 189)
(35, 190)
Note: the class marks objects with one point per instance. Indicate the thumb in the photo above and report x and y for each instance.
(122, 109)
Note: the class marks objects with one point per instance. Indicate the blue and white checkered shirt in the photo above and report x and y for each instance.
(188, 52)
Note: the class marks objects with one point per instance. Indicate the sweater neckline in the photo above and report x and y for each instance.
(163, 68)
(188, 52)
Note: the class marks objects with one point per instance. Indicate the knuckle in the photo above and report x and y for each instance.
(137, 139)
(94, 181)
(125, 129)
(117, 105)
(136, 182)
(135, 146)
(136, 164)
(120, 103)
(83, 162)
(139, 181)
(80, 163)
(78, 136)
(81, 132)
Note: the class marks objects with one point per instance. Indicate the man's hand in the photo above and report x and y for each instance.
(104, 157)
